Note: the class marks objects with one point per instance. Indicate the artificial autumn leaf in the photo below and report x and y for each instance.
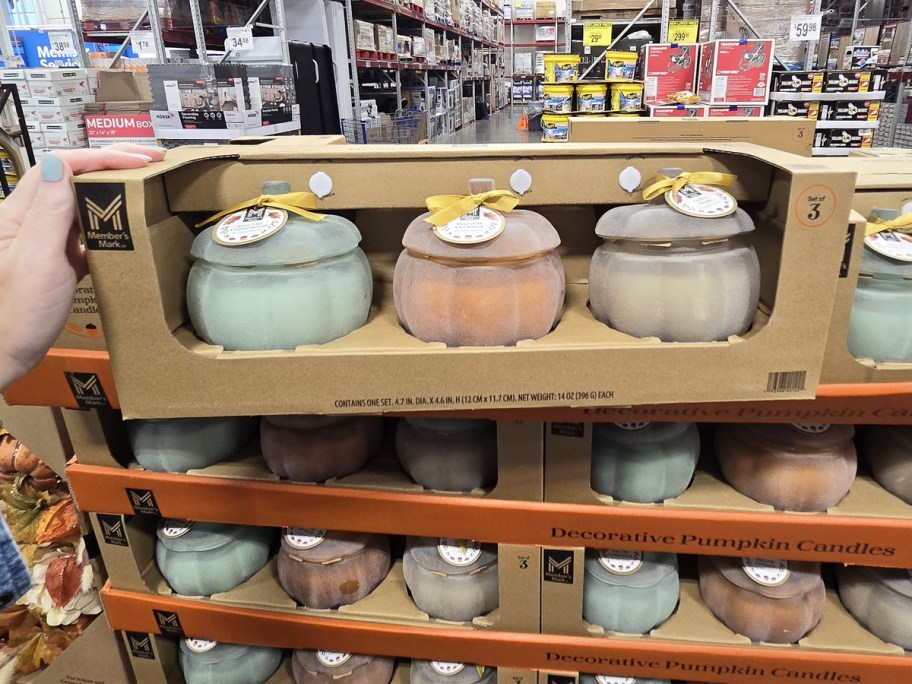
(24, 507)
(58, 522)
(28, 552)
(17, 624)
(63, 580)
(37, 654)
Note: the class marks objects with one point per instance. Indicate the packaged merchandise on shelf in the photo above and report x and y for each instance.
(545, 34)
(57, 82)
(522, 63)
(848, 137)
(17, 78)
(667, 68)
(64, 135)
(804, 109)
(589, 58)
(36, 135)
(55, 109)
(538, 62)
(430, 45)
(721, 111)
(854, 81)
(419, 47)
(121, 110)
(561, 68)
(677, 111)
(736, 71)
(364, 36)
(620, 65)
(385, 39)
(524, 9)
(545, 9)
(850, 110)
(404, 47)
(860, 57)
(797, 81)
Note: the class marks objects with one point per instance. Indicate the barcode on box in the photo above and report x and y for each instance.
(719, 88)
(758, 92)
(786, 381)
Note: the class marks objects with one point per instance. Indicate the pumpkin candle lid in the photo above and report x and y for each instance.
(641, 434)
(775, 579)
(798, 437)
(299, 240)
(450, 556)
(637, 569)
(881, 266)
(185, 536)
(899, 580)
(332, 663)
(322, 546)
(212, 652)
(525, 234)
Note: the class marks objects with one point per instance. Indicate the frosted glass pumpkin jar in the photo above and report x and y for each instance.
(609, 679)
(452, 579)
(201, 559)
(889, 452)
(880, 599)
(790, 467)
(629, 591)
(765, 600)
(661, 273)
(208, 662)
(182, 444)
(317, 448)
(437, 672)
(643, 462)
(880, 327)
(322, 569)
(498, 292)
(330, 667)
(309, 283)
(448, 455)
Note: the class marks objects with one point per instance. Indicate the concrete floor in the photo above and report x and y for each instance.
(500, 128)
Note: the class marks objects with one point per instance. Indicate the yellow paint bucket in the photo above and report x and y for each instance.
(591, 97)
(620, 65)
(561, 68)
(626, 97)
(558, 98)
(625, 115)
(555, 128)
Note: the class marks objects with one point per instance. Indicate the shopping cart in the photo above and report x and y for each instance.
(401, 128)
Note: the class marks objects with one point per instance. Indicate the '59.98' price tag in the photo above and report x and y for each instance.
(805, 27)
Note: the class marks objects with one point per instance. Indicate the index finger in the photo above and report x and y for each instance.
(111, 158)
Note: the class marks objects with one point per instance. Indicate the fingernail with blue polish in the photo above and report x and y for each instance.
(51, 168)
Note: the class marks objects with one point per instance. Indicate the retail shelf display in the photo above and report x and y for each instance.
(826, 97)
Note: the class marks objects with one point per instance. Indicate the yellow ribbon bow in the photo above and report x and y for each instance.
(664, 184)
(446, 208)
(295, 202)
(903, 224)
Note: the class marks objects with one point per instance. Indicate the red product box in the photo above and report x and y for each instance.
(677, 111)
(106, 129)
(736, 71)
(734, 110)
(667, 68)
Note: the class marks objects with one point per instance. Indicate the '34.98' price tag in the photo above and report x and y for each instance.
(240, 38)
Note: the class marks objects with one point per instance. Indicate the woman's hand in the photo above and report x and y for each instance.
(41, 258)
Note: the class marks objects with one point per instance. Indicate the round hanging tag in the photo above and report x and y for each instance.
(249, 225)
(891, 244)
(608, 679)
(620, 562)
(200, 645)
(333, 658)
(304, 538)
(769, 573)
(173, 529)
(634, 427)
(479, 225)
(446, 669)
(812, 428)
(459, 552)
(702, 201)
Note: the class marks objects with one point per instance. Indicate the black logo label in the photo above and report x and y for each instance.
(558, 566)
(103, 211)
(143, 502)
(568, 429)
(168, 623)
(847, 254)
(140, 645)
(113, 529)
(87, 390)
(560, 679)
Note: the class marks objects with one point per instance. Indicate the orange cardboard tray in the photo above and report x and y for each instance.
(755, 664)
(869, 541)
(70, 378)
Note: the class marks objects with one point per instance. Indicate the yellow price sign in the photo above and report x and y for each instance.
(597, 33)
(683, 30)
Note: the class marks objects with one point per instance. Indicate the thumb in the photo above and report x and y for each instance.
(46, 224)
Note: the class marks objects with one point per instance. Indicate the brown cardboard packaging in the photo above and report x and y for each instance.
(128, 550)
(882, 182)
(99, 438)
(139, 262)
(83, 327)
(96, 656)
(42, 430)
(780, 133)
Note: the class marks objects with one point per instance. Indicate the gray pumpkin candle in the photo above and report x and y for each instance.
(643, 462)
(629, 591)
(306, 282)
(208, 662)
(321, 569)
(331, 667)
(201, 559)
(765, 600)
(317, 448)
(448, 455)
(182, 444)
(880, 599)
(888, 449)
(452, 579)
(438, 672)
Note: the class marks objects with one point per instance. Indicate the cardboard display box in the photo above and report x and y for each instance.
(42, 430)
(723, 111)
(677, 111)
(851, 110)
(128, 550)
(857, 81)
(845, 138)
(163, 370)
(736, 71)
(99, 439)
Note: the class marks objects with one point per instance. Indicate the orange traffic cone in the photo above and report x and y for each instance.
(523, 122)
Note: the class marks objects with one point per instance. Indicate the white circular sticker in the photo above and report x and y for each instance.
(702, 201)
(769, 573)
(812, 428)
(479, 225)
(446, 669)
(333, 658)
(621, 562)
(249, 225)
(891, 244)
(173, 529)
(608, 679)
(459, 552)
(200, 645)
(634, 427)
(305, 538)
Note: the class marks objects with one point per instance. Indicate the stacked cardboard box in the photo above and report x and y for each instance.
(55, 106)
